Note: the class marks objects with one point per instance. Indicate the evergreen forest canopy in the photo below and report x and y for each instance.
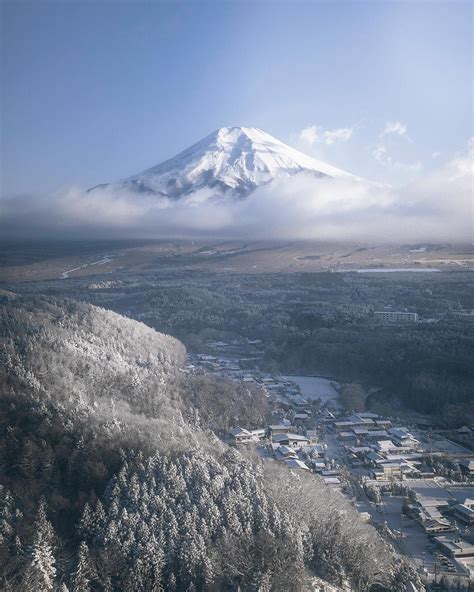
(112, 479)
(315, 323)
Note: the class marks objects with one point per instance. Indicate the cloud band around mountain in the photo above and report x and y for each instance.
(437, 206)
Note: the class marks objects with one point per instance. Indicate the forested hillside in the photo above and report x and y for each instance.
(316, 323)
(111, 478)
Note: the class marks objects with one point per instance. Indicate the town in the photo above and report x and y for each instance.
(414, 483)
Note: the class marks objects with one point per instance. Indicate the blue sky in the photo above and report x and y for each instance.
(96, 91)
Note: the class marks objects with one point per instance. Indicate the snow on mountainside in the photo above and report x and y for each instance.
(232, 160)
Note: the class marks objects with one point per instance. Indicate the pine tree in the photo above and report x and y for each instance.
(85, 524)
(84, 571)
(41, 571)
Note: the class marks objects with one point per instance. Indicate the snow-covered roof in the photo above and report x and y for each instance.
(295, 463)
(238, 431)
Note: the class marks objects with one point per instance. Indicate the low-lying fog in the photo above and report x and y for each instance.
(437, 206)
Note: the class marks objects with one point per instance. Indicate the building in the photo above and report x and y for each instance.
(298, 401)
(397, 469)
(437, 526)
(315, 450)
(431, 520)
(464, 513)
(383, 424)
(240, 435)
(467, 466)
(403, 438)
(293, 440)
(301, 417)
(279, 429)
(454, 546)
(384, 445)
(285, 453)
(379, 435)
(313, 436)
(396, 317)
(294, 463)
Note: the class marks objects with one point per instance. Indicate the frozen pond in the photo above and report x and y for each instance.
(314, 387)
(391, 270)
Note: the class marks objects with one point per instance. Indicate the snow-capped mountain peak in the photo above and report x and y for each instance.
(231, 160)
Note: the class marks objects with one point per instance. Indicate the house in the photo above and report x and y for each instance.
(432, 520)
(467, 466)
(360, 451)
(403, 438)
(240, 435)
(327, 416)
(278, 429)
(385, 470)
(464, 513)
(399, 434)
(289, 439)
(464, 433)
(437, 526)
(384, 445)
(295, 463)
(301, 416)
(373, 457)
(383, 424)
(347, 436)
(377, 435)
(342, 426)
(330, 473)
(332, 480)
(259, 434)
(454, 546)
(360, 432)
(315, 450)
(285, 453)
(361, 419)
(313, 436)
(298, 401)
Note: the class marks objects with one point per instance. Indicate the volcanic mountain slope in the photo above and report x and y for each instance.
(230, 161)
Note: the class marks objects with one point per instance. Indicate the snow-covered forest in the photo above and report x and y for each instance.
(112, 477)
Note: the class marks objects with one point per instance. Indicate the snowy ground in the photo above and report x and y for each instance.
(103, 261)
(391, 270)
(314, 387)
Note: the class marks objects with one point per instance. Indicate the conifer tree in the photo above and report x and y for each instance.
(40, 570)
(84, 571)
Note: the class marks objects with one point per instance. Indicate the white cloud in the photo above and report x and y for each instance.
(315, 134)
(436, 206)
(436, 155)
(394, 127)
(381, 155)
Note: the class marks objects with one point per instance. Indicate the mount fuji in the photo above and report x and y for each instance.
(231, 161)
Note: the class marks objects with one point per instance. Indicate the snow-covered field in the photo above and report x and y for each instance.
(103, 261)
(390, 270)
(314, 387)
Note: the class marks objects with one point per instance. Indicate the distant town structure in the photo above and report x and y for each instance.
(386, 316)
